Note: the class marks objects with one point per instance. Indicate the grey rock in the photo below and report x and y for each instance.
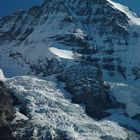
(85, 83)
(6, 113)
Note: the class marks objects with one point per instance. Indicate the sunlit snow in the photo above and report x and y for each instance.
(62, 53)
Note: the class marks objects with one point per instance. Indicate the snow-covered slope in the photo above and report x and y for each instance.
(133, 5)
(106, 31)
(2, 78)
(132, 16)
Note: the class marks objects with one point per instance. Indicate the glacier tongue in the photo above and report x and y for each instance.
(52, 115)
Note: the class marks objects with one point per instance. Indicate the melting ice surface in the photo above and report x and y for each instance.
(51, 110)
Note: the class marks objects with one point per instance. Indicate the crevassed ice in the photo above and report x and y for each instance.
(48, 107)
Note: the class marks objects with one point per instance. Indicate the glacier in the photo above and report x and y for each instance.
(52, 115)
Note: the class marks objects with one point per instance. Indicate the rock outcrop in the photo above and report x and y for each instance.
(84, 82)
(6, 113)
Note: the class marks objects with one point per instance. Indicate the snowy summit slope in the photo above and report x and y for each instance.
(103, 29)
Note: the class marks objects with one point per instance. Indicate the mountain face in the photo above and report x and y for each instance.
(97, 31)
(88, 48)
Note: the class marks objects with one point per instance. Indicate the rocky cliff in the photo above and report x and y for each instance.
(7, 113)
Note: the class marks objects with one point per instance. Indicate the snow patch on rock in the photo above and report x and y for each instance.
(2, 77)
(62, 53)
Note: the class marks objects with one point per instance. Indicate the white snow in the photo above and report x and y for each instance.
(132, 16)
(18, 117)
(62, 53)
(2, 77)
(125, 121)
(129, 95)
